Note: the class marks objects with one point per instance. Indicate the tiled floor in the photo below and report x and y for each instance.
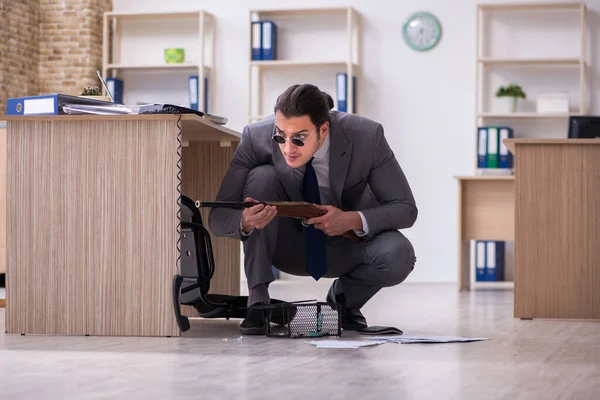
(537, 359)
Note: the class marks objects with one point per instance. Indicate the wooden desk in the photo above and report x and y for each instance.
(93, 215)
(486, 212)
(557, 228)
(2, 197)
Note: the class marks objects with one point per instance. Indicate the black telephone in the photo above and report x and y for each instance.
(173, 109)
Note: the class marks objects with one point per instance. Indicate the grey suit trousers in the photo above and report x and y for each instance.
(362, 268)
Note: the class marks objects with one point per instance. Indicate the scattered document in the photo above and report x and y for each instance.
(377, 340)
(345, 344)
(424, 339)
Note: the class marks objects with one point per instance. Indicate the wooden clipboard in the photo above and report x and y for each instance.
(291, 209)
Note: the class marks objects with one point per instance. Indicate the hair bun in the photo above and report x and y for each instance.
(329, 100)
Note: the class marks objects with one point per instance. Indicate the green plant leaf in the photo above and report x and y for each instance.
(511, 90)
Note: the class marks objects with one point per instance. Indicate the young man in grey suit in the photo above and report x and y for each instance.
(341, 161)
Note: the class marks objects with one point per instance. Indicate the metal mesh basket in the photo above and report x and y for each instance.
(302, 319)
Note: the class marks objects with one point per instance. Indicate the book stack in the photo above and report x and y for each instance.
(493, 157)
(490, 261)
(264, 40)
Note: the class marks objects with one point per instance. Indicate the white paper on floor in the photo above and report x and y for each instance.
(377, 340)
(423, 339)
(344, 344)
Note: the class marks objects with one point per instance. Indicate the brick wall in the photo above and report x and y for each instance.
(19, 49)
(49, 46)
(71, 44)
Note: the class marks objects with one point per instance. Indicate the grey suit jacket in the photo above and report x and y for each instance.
(363, 172)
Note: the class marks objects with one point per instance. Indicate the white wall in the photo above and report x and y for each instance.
(425, 101)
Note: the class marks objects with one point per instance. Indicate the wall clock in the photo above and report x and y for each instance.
(422, 31)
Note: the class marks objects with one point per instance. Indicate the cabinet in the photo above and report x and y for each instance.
(542, 47)
(557, 228)
(313, 45)
(134, 51)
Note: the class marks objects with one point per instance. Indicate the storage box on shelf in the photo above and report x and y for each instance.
(516, 56)
(135, 52)
(297, 40)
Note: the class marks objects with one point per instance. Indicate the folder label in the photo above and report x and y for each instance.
(256, 40)
(492, 145)
(480, 252)
(341, 92)
(193, 92)
(269, 40)
(482, 148)
(504, 157)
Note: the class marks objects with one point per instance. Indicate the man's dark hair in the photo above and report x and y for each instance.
(306, 99)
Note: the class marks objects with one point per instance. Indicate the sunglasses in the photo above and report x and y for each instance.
(295, 141)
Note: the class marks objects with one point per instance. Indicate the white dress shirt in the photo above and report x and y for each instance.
(320, 164)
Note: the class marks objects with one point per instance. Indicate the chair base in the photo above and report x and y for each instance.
(224, 306)
(235, 306)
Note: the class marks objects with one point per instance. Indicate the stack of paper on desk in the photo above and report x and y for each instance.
(423, 339)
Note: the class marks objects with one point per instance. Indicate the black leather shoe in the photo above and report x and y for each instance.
(254, 323)
(352, 319)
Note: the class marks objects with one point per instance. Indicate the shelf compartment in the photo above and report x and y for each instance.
(531, 7)
(299, 63)
(157, 15)
(575, 62)
(525, 115)
(493, 285)
(295, 12)
(182, 66)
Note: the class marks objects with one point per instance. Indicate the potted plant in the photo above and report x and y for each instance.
(94, 92)
(511, 93)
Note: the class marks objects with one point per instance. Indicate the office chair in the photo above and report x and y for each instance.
(197, 267)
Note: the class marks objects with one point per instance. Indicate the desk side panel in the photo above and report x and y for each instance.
(3, 200)
(204, 166)
(487, 210)
(92, 211)
(557, 252)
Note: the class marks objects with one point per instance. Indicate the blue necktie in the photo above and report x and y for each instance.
(316, 260)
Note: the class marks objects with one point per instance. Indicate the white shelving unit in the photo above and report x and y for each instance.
(575, 64)
(348, 63)
(199, 46)
(579, 63)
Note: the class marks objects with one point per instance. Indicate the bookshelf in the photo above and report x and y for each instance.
(571, 60)
(543, 47)
(133, 51)
(299, 59)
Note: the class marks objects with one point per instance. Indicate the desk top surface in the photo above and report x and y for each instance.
(194, 128)
(511, 143)
(488, 178)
